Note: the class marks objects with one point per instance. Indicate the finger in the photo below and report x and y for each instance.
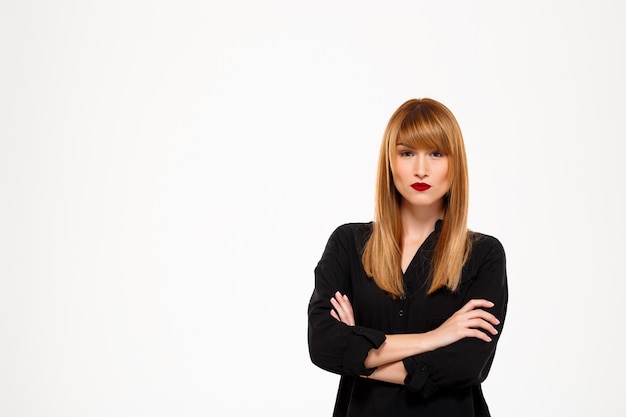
(481, 324)
(338, 308)
(344, 315)
(343, 301)
(346, 304)
(476, 303)
(484, 315)
(479, 335)
(344, 308)
(340, 314)
(476, 319)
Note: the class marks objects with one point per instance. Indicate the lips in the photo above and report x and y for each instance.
(420, 186)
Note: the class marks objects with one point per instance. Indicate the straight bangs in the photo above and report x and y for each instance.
(421, 128)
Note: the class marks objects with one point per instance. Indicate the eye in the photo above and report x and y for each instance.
(405, 153)
(436, 154)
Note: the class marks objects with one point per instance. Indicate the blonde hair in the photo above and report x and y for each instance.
(420, 123)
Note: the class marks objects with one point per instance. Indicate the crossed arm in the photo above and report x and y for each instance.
(469, 321)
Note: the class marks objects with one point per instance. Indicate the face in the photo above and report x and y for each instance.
(421, 176)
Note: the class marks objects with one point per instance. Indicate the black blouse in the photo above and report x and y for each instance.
(442, 383)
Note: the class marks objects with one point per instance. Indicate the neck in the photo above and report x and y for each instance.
(419, 221)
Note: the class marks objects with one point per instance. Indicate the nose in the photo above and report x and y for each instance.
(420, 170)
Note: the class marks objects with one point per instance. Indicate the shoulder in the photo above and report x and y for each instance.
(483, 242)
(350, 228)
(486, 262)
(486, 248)
(353, 232)
(347, 240)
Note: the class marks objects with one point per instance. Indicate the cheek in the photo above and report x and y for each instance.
(445, 174)
(447, 181)
(444, 179)
(396, 180)
(398, 172)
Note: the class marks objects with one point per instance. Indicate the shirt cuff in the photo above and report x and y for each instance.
(417, 376)
(363, 340)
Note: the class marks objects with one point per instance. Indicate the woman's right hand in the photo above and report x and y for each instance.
(342, 309)
(469, 321)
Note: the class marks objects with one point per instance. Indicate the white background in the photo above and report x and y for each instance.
(170, 173)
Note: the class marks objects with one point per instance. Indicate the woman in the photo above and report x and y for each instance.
(408, 309)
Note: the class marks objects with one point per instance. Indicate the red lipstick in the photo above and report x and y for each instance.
(420, 186)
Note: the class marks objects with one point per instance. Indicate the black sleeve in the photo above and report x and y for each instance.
(335, 346)
(466, 362)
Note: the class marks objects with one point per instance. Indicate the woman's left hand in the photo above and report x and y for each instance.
(342, 309)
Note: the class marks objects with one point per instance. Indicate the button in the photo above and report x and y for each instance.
(401, 313)
(424, 368)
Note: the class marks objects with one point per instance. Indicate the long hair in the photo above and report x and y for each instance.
(419, 123)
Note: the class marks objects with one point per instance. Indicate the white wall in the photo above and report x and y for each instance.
(170, 172)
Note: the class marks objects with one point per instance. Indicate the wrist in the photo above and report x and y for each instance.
(429, 341)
